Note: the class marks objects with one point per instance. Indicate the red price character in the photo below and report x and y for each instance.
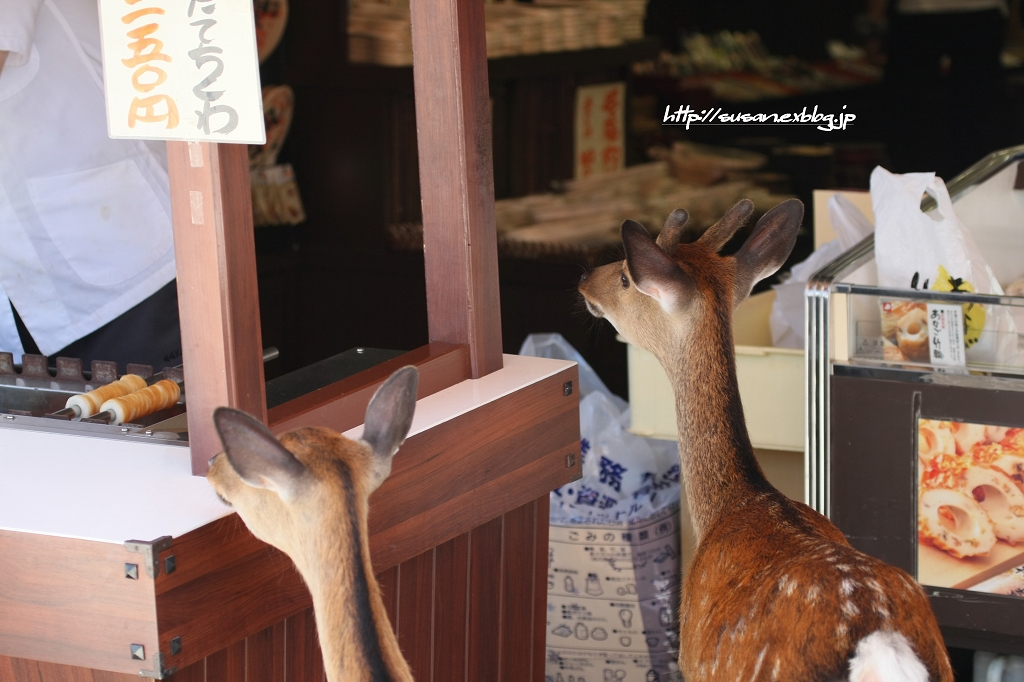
(587, 160)
(610, 105)
(588, 108)
(611, 157)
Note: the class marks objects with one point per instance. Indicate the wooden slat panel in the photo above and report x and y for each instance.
(441, 524)
(207, 549)
(304, 660)
(518, 558)
(416, 621)
(67, 601)
(538, 650)
(227, 665)
(54, 672)
(451, 609)
(22, 670)
(342, 405)
(18, 670)
(227, 604)
(197, 673)
(472, 600)
(453, 121)
(215, 251)
(485, 607)
(265, 655)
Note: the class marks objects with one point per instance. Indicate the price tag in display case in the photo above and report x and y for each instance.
(183, 70)
(600, 129)
(946, 335)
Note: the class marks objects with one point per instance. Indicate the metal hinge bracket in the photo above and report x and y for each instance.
(158, 672)
(151, 550)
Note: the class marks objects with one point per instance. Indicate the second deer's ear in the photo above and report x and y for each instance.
(256, 455)
(768, 246)
(389, 417)
(653, 271)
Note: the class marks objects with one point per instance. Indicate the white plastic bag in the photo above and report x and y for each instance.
(935, 250)
(614, 557)
(850, 224)
(787, 316)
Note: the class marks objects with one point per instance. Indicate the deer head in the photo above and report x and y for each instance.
(307, 495)
(278, 486)
(650, 296)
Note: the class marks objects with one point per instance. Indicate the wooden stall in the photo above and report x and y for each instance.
(116, 559)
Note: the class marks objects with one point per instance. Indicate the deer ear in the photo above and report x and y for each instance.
(389, 417)
(716, 236)
(256, 455)
(768, 246)
(653, 271)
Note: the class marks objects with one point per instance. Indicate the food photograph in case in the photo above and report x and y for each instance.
(971, 507)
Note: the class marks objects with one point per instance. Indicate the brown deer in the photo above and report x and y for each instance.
(774, 591)
(307, 495)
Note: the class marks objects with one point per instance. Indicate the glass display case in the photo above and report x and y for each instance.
(915, 418)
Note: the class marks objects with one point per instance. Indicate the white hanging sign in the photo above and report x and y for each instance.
(600, 129)
(182, 70)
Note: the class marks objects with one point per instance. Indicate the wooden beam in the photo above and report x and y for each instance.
(453, 130)
(217, 296)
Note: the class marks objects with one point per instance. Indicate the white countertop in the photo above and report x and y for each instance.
(112, 490)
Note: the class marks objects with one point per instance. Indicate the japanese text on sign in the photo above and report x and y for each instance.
(946, 334)
(599, 129)
(182, 70)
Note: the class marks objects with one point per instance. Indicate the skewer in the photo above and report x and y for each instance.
(88, 404)
(98, 405)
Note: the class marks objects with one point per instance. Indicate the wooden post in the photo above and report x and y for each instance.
(215, 250)
(453, 130)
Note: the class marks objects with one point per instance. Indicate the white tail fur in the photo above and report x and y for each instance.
(886, 656)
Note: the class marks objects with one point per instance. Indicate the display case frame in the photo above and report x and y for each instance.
(861, 425)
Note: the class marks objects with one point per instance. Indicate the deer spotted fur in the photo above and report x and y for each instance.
(307, 495)
(774, 591)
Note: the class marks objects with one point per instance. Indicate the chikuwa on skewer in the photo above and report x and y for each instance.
(160, 396)
(88, 404)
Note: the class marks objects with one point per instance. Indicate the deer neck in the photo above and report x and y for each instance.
(718, 464)
(355, 634)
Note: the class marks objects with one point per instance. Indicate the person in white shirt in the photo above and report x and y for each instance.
(86, 247)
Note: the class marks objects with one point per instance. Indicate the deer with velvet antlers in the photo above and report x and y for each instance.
(774, 591)
(307, 495)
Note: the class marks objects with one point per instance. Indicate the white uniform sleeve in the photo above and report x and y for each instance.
(9, 340)
(17, 28)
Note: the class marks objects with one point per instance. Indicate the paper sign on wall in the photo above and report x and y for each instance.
(599, 129)
(182, 70)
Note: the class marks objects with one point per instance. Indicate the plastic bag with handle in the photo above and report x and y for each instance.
(935, 250)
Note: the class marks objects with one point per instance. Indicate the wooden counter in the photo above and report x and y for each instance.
(460, 558)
